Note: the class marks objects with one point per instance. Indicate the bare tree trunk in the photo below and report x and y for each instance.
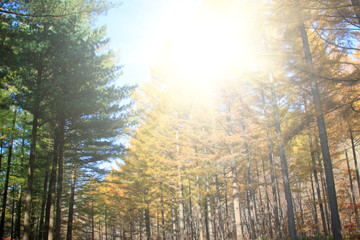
(7, 176)
(162, 214)
(180, 193)
(284, 167)
(335, 218)
(354, 156)
(253, 208)
(267, 200)
(51, 194)
(208, 210)
(43, 202)
(201, 234)
(92, 221)
(219, 208)
(60, 177)
(312, 154)
(234, 183)
(352, 189)
(71, 207)
(31, 168)
(272, 173)
(174, 235)
(316, 219)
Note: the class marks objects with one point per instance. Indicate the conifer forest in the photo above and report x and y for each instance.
(247, 128)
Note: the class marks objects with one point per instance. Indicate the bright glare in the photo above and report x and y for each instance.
(200, 42)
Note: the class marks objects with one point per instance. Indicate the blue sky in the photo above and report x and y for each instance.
(130, 27)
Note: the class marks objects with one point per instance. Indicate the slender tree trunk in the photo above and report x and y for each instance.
(51, 194)
(267, 200)
(201, 235)
(174, 235)
(18, 215)
(352, 190)
(92, 221)
(1, 149)
(162, 214)
(335, 218)
(209, 215)
(7, 176)
(226, 204)
(106, 225)
(191, 213)
(354, 156)
(180, 192)
(272, 172)
(29, 192)
(219, 208)
(312, 154)
(262, 211)
(147, 223)
(60, 177)
(234, 184)
(43, 202)
(253, 208)
(71, 207)
(284, 166)
(316, 219)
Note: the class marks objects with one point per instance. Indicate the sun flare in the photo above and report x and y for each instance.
(202, 43)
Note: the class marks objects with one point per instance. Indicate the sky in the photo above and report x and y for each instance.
(131, 27)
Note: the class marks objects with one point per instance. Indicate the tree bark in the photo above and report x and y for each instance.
(352, 189)
(284, 166)
(60, 177)
(335, 218)
(29, 192)
(354, 156)
(51, 193)
(272, 172)
(7, 176)
(71, 207)
(312, 154)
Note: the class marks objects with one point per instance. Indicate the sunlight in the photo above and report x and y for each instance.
(204, 42)
(199, 45)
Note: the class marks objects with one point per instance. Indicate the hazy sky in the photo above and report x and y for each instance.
(131, 27)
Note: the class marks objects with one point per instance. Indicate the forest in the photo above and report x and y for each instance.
(247, 129)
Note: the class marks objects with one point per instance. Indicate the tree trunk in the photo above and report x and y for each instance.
(31, 168)
(317, 230)
(201, 235)
(335, 218)
(253, 208)
(180, 193)
(71, 207)
(234, 183)
(162, 214)
(352, 190)
(284, 167)
(174, 234)
(51, 193)
(354, 156)
(219, 208)
(43, 202)
(60, 177)
(272, 172)
(312, 154)
(7, 176)
(208, 210)
(147, 223)
(92, 221)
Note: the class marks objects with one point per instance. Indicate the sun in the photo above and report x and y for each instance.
(201, 42)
